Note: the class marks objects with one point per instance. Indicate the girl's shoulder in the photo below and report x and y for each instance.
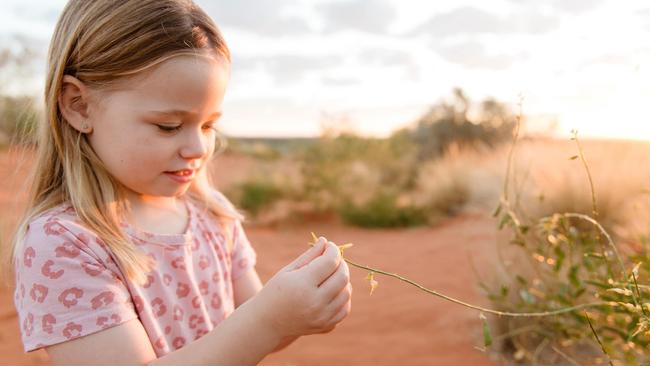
(58, 221)
(59, 232)
(62, 212)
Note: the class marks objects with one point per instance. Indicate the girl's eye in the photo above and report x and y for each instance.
(168, 128)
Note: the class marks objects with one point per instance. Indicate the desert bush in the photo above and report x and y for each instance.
(349, 169)
(18, 119)
(256, 149)
(557, 183)
(266, 184)
(383, 210)
(566, 260)
(255, 195)
(459, 122)
(413, 172)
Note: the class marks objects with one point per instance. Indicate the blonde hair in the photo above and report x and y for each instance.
(101, 42)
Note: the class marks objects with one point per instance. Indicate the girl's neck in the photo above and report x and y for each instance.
(160, 215)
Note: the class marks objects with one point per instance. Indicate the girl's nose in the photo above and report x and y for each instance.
(196, 144)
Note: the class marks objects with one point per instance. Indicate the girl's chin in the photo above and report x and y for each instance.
(169, 189)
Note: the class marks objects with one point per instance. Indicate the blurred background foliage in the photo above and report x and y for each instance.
(410, 178)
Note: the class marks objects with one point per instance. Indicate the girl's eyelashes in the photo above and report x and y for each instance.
(170, 129)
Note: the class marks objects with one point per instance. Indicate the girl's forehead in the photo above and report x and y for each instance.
(184, 70)
(181, 82)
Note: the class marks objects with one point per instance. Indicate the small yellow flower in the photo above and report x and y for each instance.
(314, 238)
(373, 283)
(342, 247)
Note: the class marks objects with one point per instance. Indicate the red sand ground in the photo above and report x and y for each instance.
(398, 324)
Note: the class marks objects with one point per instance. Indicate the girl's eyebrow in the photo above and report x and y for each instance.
(182, 113)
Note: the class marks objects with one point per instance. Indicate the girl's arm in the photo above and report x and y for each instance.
(240, 339)
(306, 297)
(245, 287)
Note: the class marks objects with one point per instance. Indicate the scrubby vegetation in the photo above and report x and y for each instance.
(18, 120)
(566, 259)
(405, 179)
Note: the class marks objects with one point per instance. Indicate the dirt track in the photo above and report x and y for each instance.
(397, 325)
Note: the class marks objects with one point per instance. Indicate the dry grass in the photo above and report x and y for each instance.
(620, 170)
(545, 181)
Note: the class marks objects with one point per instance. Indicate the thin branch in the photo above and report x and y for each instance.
(604, 232)
(475, 307)
(598, 339)
(565, 356)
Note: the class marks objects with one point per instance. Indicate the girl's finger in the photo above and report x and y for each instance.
(331, 287)
(340, 300)
(309, 255)
(341, 313)
(323, 266)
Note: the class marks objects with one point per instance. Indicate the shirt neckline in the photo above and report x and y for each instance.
(185, 238)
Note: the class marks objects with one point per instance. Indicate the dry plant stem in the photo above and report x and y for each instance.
(604, 232)
(598, 339)
(511, 153)
(565, 356)
(594, 204)
(475, 307)
(539, 350)
(510, 333)
(591, 181)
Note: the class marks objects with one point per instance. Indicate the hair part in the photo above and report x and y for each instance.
(101, 43)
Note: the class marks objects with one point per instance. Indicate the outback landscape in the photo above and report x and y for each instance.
(489, 161)
(459, 251)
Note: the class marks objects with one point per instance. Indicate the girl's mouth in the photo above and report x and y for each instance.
(181, 176)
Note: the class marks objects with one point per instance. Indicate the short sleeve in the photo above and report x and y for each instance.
(243, 254)
(67, 285)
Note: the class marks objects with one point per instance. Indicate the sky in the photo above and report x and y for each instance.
(379, 64)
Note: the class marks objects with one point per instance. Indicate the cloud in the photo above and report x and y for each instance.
(576, 6)
(608, 59)
(31, 18)
(473, 21)
(372, 16)
(573, 7)
(472, 54)
(289, 68)
(385, 57)
(265, 17)
(339, 81)
(47, 13)
(645, 14)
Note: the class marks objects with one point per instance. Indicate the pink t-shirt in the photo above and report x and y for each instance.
(68, 285)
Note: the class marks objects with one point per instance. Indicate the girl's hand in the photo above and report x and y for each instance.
(310, 295)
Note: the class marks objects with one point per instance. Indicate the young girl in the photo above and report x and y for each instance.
(126, 255)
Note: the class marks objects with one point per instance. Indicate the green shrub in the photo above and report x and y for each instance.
(256, 195)
(382, 211)
(349, 168)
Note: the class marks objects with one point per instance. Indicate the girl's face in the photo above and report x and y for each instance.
(159, 123)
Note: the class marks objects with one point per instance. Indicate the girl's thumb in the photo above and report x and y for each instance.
(309, 255)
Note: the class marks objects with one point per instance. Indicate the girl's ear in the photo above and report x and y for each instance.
(73, 103)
